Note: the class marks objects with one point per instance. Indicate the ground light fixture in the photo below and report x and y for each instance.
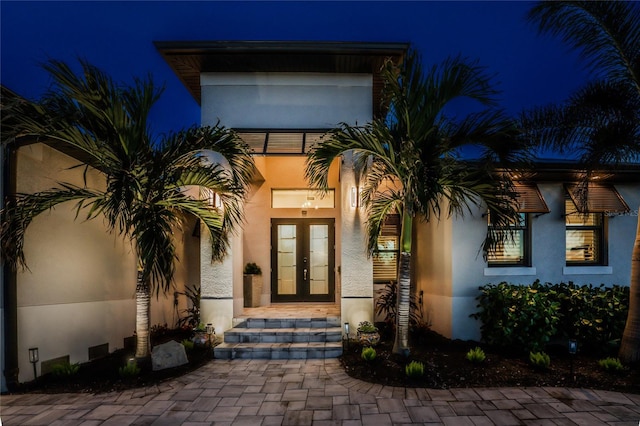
(34, 357)
(346, 332)
(573, 349)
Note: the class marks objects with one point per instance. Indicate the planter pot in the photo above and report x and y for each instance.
(368, 338)
(200, 338)
(252, 289)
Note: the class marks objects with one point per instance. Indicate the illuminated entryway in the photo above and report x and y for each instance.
(302, 260)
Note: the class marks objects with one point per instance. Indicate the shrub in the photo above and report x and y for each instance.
(595, 316)
(367, 327)
(368, 354)
(387, 305)
(158, 330)
(252, 268)
(517, 317)
(192, 313)
(476, 355)
(414, 369)
(611, 364)
(539, 360)
(130, 370)
(188, 344)
(65, 369)
(527, 317)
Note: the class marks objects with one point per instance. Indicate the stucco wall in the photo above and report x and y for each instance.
(357, 267)
(548, 255)
(285, 100)
(79, 289)
(433, 271)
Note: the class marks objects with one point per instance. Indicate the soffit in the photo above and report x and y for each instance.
(597, 198)
(189, 59)
(281, 142)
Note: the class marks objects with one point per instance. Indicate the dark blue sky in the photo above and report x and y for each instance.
(118, 37)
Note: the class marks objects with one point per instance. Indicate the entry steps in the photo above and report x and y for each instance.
(282, 338)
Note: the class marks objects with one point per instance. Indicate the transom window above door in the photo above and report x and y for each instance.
(281, 141)
(302, 199)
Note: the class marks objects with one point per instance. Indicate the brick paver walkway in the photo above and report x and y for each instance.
(315, 392)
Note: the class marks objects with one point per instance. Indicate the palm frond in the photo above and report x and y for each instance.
(600, 123)
(378, 207)
(607, 33)
(152, 236)
(224, 146)
(20, 210)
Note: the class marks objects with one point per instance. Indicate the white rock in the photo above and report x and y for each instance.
(168, 355)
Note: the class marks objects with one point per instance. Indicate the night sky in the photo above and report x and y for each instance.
(530, 69)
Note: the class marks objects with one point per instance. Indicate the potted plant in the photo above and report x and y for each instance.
(368, 334)
(200, 337)
(252, 286)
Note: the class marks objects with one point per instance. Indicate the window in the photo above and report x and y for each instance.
(515, 249)
(302, 199)
(385, 262)
(585, 236)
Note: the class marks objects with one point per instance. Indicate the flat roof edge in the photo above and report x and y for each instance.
(284, 46)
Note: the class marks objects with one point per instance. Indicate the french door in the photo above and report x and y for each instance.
(302, 260)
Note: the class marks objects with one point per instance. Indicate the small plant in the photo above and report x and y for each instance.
(159, 330)
(192, 313)
(414, 369)
(611, 365)
(252, 268)
(367, 327)
(65, 369)
(368, 354)
(387, 305)
(476, 355)
(130, 370)
(539, 360)
(188, 344)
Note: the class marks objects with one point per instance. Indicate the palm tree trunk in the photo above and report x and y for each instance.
(630, 347)
(143, 303)
(401, 343)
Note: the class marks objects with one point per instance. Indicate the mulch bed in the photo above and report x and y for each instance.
(446, 367)
(445, 363)
(102, 375)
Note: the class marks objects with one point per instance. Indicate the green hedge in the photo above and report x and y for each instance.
(527, 317)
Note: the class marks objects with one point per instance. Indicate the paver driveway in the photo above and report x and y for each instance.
(318, 392)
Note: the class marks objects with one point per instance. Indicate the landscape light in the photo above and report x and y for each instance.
(34, 357)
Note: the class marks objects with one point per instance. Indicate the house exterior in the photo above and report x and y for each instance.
(77, 298)
(280, 97)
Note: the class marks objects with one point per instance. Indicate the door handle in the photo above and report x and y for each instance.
(304, 274)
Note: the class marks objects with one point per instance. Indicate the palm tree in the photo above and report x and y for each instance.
(148, 184)
(409, 162)
(601, 121)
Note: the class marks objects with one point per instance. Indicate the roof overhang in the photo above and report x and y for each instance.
(189, 59)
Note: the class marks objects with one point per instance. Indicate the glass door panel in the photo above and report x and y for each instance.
(319, 259)
(287, 268)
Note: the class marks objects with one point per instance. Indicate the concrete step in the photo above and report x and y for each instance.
(282, 338)
(290, 322)
(283, 335)
(309, 350)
